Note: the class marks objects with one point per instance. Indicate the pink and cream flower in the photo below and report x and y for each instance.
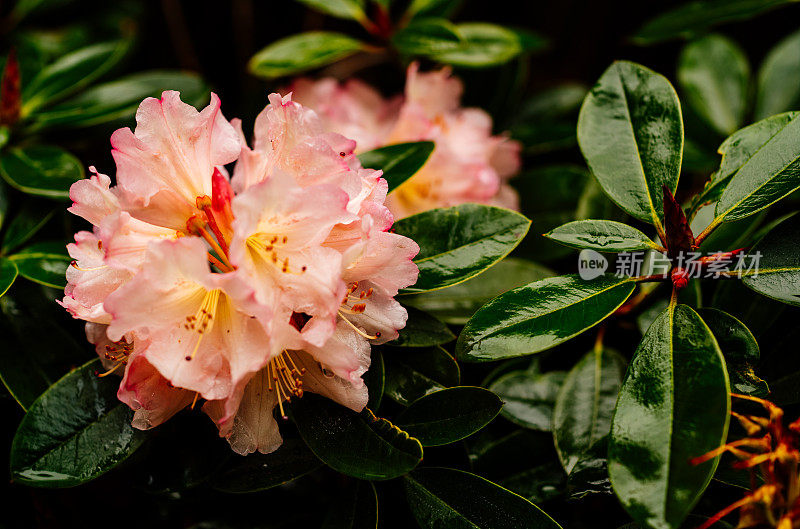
(244, 293)
(469, 164)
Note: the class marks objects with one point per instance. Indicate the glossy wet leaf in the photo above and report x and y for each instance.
(585, 405)
(30, 218)
(696, 16)
(456, 304)
(357, 444)
(740, 349)
(71, 72)
(399, 161)
(485, 45)
(44, 263)
(589, 475)
(736, 150)
(422, 330)
(460, 242)
(351, 9)
(43, 170)
(449, 415)
(779, 79)
(540, 315)
(714, 77)
(118, 100)
(630, 131)
(445, 498)
(8, 273)
(76, 431)
(673, 406)
(601, 235)
(4, 203)
(778, 271)
(769, 175)
(256, 472)
(31, 323)
(529, 397)
(427, 36)
(356, 508)
(302, 52)
(414, 373)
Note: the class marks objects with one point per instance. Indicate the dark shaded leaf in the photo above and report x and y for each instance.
(449, 415)
(778, 272)
(413, 373)
(529, 397)
(257, 472)
(31, 217)
(779, 79)
(427, 36)
(76, 431)
(422, 330)
(357, 444)
(43, 170)
(445, 498)
(357, 508)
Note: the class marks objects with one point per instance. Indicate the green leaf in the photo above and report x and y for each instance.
(547, 121)
(460, 242)
(427, 36)
(674, 405)
(769, 175)
(529, 397)
(779, 79)
(740, 349)
(778, 272)
(32, 216)
(8, 273)
(72, 72)
(456, 304)
(694, 18)
(76, 431)
(356, 508)
(349, 9)
(589, 475)
(736, 150)
(630, 131)
(357, 444)
(601, 235)
(413, 373)
(585, 405)
(438, 8)
(540, 315)
(42, 349)
(483, 45)
(714, 75)
(449, 415)
(44, 263)
(257, 472)
(422, 330)
(118, 100)
(302, 52)
(446, 498)
(3, 203)
(43, 170)
(399, 161)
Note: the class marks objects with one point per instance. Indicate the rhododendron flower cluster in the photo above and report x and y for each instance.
(244, 292)
(468, 164)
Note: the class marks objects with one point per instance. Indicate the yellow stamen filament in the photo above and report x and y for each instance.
(288, 379)
(266, 247)
(359, 331)
(117, 352)
(203, 320)
(196, 226)
(194, 401)
(74, 264)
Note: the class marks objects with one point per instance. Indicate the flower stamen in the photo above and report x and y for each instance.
(203, 320)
